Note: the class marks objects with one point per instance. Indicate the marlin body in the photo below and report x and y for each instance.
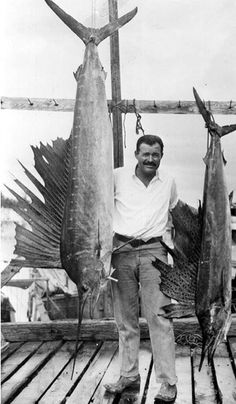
(87, 225)
(213, 294)
(86, 237)
(200, 279)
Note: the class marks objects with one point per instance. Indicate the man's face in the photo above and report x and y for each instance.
(149, 158)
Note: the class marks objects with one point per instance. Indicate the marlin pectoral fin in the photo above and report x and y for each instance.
(223, 158)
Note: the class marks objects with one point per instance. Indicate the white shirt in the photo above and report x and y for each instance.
(142, 211)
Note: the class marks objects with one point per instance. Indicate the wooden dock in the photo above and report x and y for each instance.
(37, 366)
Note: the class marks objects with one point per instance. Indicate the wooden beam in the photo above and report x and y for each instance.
(116, 88)
(8, 273)
(125, 106)
(91, 329)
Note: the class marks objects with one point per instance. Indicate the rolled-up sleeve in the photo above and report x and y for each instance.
(173, 195)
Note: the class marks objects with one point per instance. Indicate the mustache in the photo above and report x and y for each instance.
(149, 164)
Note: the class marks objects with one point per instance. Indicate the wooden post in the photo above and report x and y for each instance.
(116, 88)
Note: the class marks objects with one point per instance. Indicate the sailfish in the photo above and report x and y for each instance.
(72, 228)
(200, 279)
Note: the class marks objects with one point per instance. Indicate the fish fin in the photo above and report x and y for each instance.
(209, 119)
(39, 246)
(206, 158)
(79, 29)
(90, 34)
(187, 223)
(228, 129)
(113, 26)
(231, 196)
(178, 283)
(224, 159)
(77, 73)
(178, 310)
(207, 116)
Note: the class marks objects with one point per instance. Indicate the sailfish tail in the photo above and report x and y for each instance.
(91, 34)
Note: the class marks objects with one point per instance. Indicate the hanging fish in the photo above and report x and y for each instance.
(202, 273)
(73, 228)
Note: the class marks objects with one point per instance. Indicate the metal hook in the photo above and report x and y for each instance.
(55, 103)
(230, 104)
(30, 102)
(179, 105)
(154, 104)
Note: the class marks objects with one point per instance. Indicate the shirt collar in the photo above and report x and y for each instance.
(158, 175)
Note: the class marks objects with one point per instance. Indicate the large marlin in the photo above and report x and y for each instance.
(201, 277)
(72, 229)
(86, 238)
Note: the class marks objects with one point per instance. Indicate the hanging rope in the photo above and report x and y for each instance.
(124, 127)
(138, 121)
(93, 15)
(213, 120)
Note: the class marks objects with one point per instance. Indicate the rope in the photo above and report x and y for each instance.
(138, 121)
(93, 14)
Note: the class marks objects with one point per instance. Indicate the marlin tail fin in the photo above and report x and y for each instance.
(91, 34)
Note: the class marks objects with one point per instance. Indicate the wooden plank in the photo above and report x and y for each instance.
(63, 384)
(145, 363)
(204, 391)
(116, 88)
(183, 372)
(224, 375)
(113, 372)
(92, 378)
(18, 358)
(23, 375)
(47, 375)
(126, 106)
(8, 273)
(90, 329)
(12, 347)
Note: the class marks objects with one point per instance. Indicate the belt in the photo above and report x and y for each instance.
(137, 242)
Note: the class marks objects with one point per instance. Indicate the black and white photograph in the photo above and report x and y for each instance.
(118, 201)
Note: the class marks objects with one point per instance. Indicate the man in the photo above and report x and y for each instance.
(143, 199)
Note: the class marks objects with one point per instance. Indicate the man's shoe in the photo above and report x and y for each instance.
(123, 383)
(166, 394)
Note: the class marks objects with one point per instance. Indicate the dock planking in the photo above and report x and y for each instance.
(40, 372)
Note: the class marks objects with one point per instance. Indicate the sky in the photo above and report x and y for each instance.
(169, 47)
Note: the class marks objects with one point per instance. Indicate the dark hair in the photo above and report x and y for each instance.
(150, 140)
